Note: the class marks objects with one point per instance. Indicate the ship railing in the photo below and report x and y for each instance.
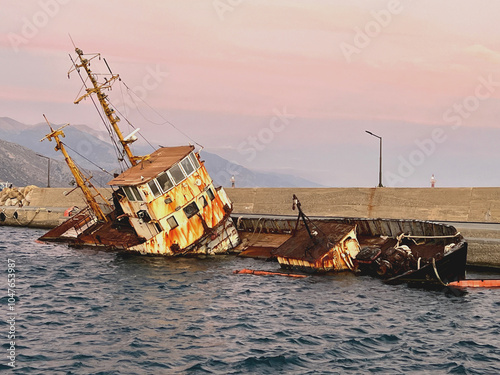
(83, 220)
(368, 227)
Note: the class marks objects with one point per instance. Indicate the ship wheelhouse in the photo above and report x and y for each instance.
(172, 204)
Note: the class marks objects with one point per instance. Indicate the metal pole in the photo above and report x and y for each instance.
(380, 159)
(48, 168)
(380, 166)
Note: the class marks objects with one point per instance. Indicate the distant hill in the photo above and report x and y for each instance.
(23, 166)
(79, 143)
(221, 171)
(8, 126)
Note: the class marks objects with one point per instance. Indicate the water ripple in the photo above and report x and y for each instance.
(82, 311)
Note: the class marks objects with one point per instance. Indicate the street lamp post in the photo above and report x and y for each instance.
(380, 161)
(48, 168)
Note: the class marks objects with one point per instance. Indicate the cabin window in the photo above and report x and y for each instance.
(188, 167)
(203, 201)
(132, 193)
(177, 174)
(128, 193)
(154, 188)
(191, 209)
(194, 160)
(165, 182)
(158, 227)
(172, 222)
(136, 192)
(210, 194)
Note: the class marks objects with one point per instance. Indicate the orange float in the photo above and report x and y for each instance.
(265, 273)
(479, 283)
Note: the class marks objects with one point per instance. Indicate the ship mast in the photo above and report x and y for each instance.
(83, 183)
(109, 112)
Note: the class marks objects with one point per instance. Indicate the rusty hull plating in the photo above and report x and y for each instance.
(438, 251)
(334, 248)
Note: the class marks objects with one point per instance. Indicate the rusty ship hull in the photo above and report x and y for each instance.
(221, 239)
(435, 253)
(447, 269)
(184, 217)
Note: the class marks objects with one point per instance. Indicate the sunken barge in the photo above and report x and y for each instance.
(420, 253)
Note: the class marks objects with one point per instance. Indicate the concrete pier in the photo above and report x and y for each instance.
(438, 204)
(46, 209)
(34, 217)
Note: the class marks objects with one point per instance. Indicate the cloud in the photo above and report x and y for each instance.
(483, 52)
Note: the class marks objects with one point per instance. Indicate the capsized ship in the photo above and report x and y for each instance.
(171, 202)
(164, 203)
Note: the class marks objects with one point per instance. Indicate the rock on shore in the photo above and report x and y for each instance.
(16, 196)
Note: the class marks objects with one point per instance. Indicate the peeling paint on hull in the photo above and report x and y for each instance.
(222, 239)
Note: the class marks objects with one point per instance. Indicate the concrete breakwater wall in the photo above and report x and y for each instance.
(46, 207)
(34, 217)
(439, 204)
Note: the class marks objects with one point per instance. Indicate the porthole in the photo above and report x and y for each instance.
(191, 209)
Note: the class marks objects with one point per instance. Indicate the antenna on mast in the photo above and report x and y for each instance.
(71, 40)
(97, 88)
(48, 123)
(107, 66)
(83, 182)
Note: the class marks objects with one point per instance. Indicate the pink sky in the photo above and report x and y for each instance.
(231, 67)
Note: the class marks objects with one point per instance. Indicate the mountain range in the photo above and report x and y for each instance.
(23, 162)
(21, 166)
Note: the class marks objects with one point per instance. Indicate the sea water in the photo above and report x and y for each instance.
(83, 311)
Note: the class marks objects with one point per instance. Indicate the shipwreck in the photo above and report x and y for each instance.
(420, 253)
(164, 203)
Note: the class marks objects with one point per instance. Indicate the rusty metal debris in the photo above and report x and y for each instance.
(319, 246)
